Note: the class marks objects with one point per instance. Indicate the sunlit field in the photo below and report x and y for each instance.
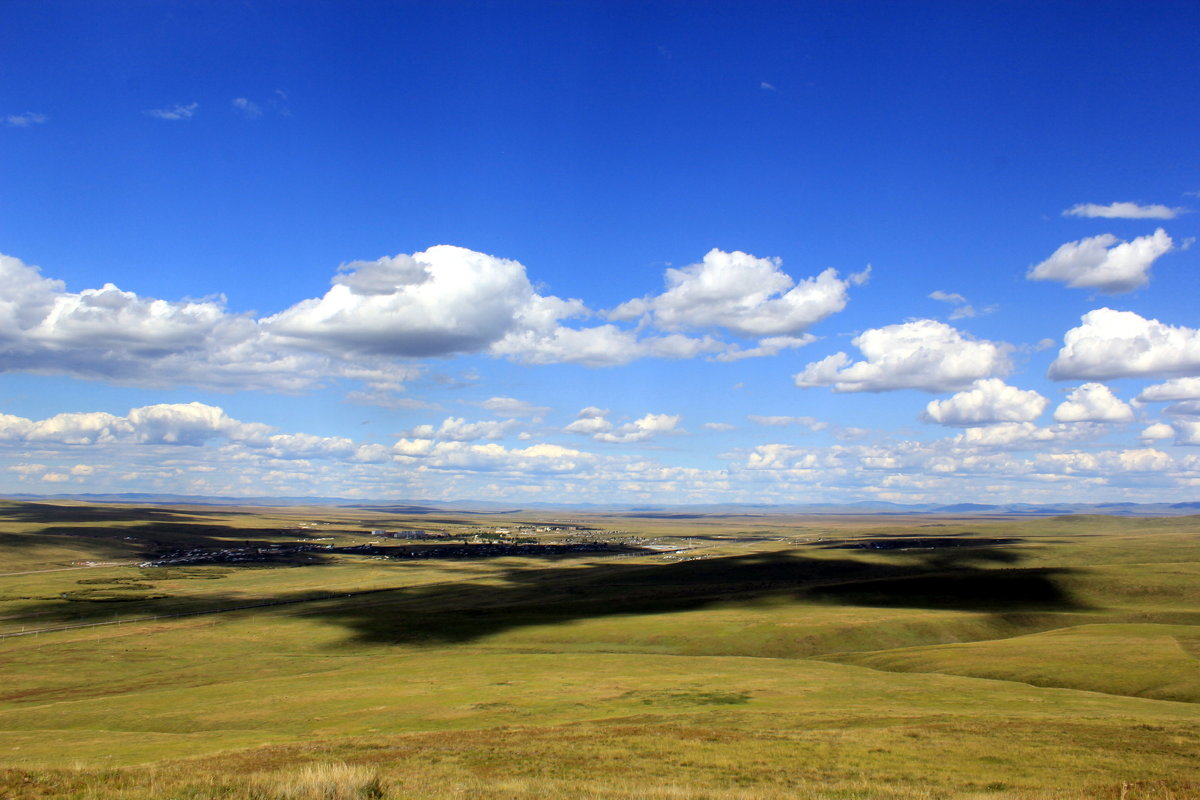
(708, 657)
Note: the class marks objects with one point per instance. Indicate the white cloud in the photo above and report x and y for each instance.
(1026, 435)
(443, 301)
(1185, 408)
(979, 462)
(640, 430)
(767, 346)
(1187, 432)
(718, 426)
(812, 423)
(87, 428)
(1093, 402)
(457, 429)
(989, 400)
(922, 354)
(190, 424)
(166, 423)
(601, 346)
(1158, 430)
(249, 108)
(1006, 434)
(1174, 389)
(117, 335)
(448, 300)
(947, 297)
(962, 308)
(1104, 262)
(535, 459)
(512, 407)
(372, 454)
(307, 445)
(1123, 461)
(782, 456)
(438, 302)
(1121, 344)
(1123, 211)
(26, 120)
(174, 112)
(13, 428)
(590, 421)
(749, 296)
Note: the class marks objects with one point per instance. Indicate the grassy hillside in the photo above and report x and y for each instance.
(775, 657)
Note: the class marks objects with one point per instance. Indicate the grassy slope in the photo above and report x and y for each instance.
(615, 675)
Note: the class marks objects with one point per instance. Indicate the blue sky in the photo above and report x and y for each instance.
(603, 252)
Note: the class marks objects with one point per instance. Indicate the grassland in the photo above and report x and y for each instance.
(773, 657)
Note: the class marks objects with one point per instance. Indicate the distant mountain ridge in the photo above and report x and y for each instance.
(421, 506)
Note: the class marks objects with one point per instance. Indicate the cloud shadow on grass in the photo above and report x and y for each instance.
(967, 579)
(979, 576)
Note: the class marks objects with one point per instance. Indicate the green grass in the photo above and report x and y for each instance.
(1064, 664)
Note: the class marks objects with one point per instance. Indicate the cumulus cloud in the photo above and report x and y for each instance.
(1124, 461)
(1172, 390)
(117, 335)
(165, 423)
(26, 120)
(448, 300)
(457, 429)
(442, 301)
(1187, 432)
(169, 424)
(1104, 262)
(190, 424)
(376, 318)
(1093, 402)
(600, 346)
(1121, 344)
(1006, 434)
(87, 428)
(1123, 211)
(594, 422)
(1158, 430)
(1185, 408)
(535, 459)
(590, 421)
(307, 445)
(989, 400)
(640, 430)
(749, 296)
(1026, 435)
(175, 112)
(922, 354)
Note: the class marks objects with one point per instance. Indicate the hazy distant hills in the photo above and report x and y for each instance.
(736, 509)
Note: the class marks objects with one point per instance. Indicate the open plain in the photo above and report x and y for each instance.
(205, 652)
